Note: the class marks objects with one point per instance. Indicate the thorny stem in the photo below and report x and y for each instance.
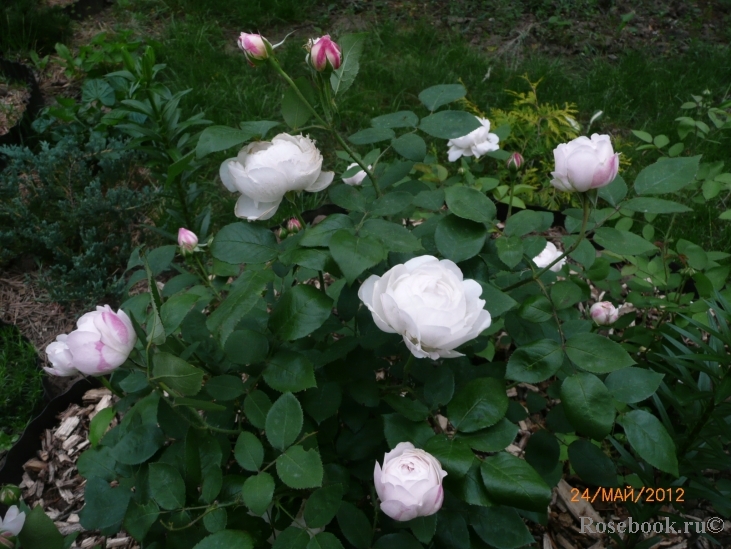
(575, 245)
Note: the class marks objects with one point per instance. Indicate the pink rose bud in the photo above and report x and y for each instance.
(604, 313)
(10, 526)
(294, 226)
(187, 240)
(256, 48)
(101, 343)
(324, 54)
(515, 162)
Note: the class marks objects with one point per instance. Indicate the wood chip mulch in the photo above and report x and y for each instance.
(52, 480)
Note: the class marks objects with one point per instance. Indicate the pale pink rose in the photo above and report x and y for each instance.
(13, 521)
(60, 358)
(476, 143)
(604, 313)
(255, 47)
(583, 164)
(187, 240)
(549, 253)
(409, 484)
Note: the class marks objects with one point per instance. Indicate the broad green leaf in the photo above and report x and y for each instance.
(655, 205)
(423, 528)
(105, 506)
(615, 192)
(542, 452)
(459, 239)
(449, 124)
(412, 410)
(399, 540)
(219, 138)
(324, 540)
(436, 96)
(245, 293)
(177, 374)
(646, 137)
(290, 371)
(591, 464)
(295, 112)
(351, 47)
(323, 401)
(667, 176)
(355, 254)
(492, 439)
(225, 387)
(410, 146)
(98, 90)
(481, 403)
(299, 312)
(496, 302)
(430, 200)
(292, 538)
(535, 362)
(501, 527)
(39, 531)
(394, 237)
(320, 234)
(528, 221)
(400, 119)
(322, 506)
(348, 197)
(249, 452)
(226, 539)
(511, 481)
(565, 294)
(391, 203)
(99, 425)
(472, 490)
(469, 203)
(215, 520)
(399, 429)
(596, 353)
(166, 486)
(633, 384)
(454, 454)
(536, 309)
(258, 492)
(371, 135)
(139, 444)
(299, 468)
(622, 242)
(284, 421)
(244, 243)
(588, 405)
(510, 250)
(174, 310)
(256, 408)
(98, 462)
(650, 440)
(452, 530)
(354, 525)
(140, 517)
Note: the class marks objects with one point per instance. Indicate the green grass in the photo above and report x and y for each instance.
(21, 387)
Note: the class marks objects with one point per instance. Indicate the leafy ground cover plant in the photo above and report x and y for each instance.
(313, 390)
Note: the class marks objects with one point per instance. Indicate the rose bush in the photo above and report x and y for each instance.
(273, 369)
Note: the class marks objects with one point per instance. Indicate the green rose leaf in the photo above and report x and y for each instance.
(320, 234)
(536, 309)
(459, 239)
(391, 203)
(324, 540)
(105, 506)
(371, 135)
(436, 96)
(454, 454)
(597, 354)
(480, 404)
(400, 119)
(394, 237)
(469, 203)
(351, 47)
(633, 384)
(220, 138)
(410, 146)
(535, 362)
(166, 486)
(299, 312)
(565, 294)
(249, 452)
(355, 254)
(289, 370)
(400, 540)
(284, 421)
(139, 444)
(410, 409)
(225, 387)
(399, 429)
(347, 197)
(650, 440)
(528, 221)
(39, 531)
(588, 405)
(300, 468)
(244, 243)
(323, 505)
(667, 175)
(177, 374)
(258, 492)
(591, 464)
(140, 517)
(492, 439)
(501, 527)
(622, 242)
(256, 408)
(449, 124)
(226, 539)
(655, 205)
(511, 481)
(354, 525)
(292, 538)
(510, 250)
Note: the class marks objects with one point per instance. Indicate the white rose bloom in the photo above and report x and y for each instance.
(264, 171)
(60, 357)
(583, 164)
(429, 304)
(476, 143)
(604, 313)
(549, 253)
(410, 483)
(357, 178)
(13, 521)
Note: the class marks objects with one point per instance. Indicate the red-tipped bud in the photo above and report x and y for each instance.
(187, 240)
(515, 162)
(324, 54)
(256, 48)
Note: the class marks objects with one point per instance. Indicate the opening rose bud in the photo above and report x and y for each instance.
(547, 256)
(256, 48)
(476, 143)
(324, 54)
(293, 225)
(11, 525)
(584, 164)
(409, 484)
(604, 313)
(187, 240)
(515, 162)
